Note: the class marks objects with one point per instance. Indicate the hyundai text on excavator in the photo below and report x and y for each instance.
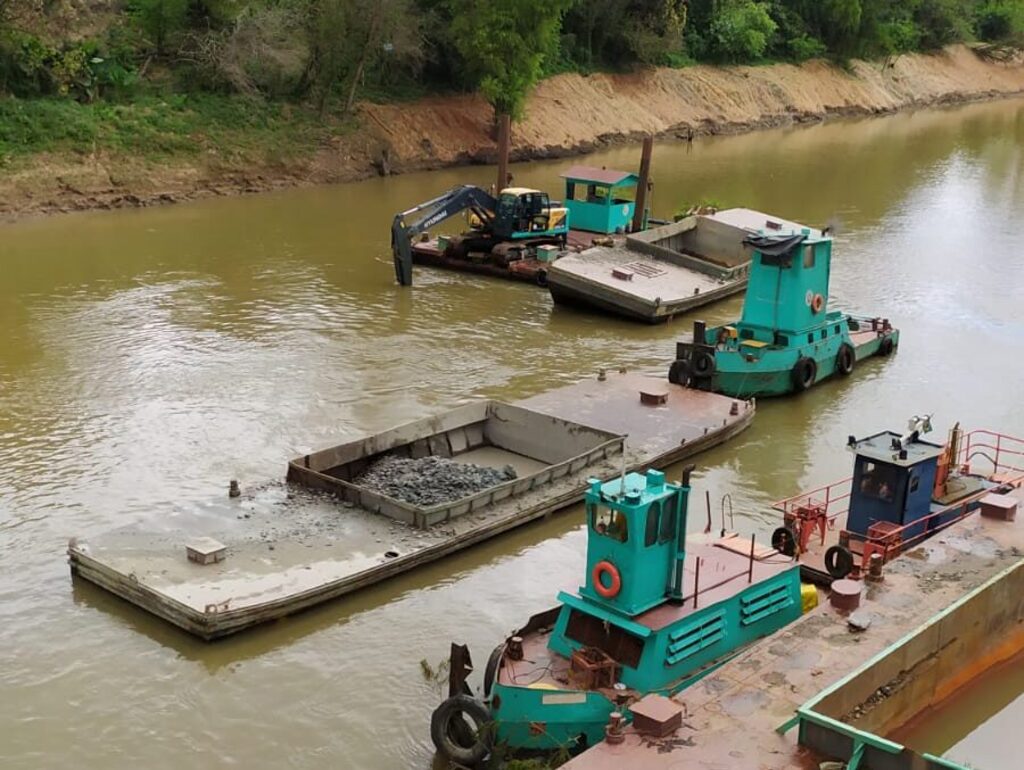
(502, 230)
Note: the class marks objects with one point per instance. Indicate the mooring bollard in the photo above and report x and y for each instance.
(515, 648)
(613, 730)
(875, 563)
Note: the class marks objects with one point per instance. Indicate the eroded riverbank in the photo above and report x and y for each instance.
(567, 114)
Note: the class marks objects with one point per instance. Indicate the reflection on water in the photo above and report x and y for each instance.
(149, 356)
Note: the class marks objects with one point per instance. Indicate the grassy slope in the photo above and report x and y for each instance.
(237, 130)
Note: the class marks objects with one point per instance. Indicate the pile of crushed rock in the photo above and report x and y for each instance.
(429, 481)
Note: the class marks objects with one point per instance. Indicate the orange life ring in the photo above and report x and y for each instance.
(817, 303)
(600, 569)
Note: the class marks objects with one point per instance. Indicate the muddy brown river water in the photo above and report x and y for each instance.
(976, 726)
(147, 357)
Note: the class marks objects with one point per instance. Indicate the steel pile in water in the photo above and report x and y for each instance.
(430, 480)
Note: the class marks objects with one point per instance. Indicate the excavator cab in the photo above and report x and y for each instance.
(525, 213)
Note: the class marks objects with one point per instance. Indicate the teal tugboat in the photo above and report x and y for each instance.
(653, 617)
(786, 339)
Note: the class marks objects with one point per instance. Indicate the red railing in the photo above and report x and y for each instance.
(834, 498)
(952, 514)
(998, 449)
(1004, 462)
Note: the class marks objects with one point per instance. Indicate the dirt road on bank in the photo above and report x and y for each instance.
(567, 114)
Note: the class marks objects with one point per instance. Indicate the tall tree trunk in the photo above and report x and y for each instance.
(371, 42)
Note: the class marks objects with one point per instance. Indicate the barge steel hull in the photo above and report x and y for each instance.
(326, 550)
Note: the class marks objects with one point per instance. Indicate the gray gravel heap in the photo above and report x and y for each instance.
(430, 480)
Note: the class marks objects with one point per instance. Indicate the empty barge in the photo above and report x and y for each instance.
(657, 274)
(222, 567)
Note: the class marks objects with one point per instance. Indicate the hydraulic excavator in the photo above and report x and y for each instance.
(503, 229)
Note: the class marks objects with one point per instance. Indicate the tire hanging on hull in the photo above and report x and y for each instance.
(805, 372)
(452, 735)
(846, 359)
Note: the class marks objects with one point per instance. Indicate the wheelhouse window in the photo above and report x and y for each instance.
(508, 206)
(668, 521)
(878, 481)
(653, 520)
(609, 523)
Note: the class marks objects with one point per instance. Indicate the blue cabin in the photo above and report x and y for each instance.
(600, 200)
(893, 480)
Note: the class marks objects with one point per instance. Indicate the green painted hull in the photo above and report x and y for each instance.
(771, 374)
(570, 726)
(673, 658)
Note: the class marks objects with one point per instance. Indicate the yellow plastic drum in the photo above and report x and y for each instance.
(808, 597)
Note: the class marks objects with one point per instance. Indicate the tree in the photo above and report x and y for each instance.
(740, 31)
(160, 21)
(504, 43)
(836, 22)
(654, 30)
(1001, 20)
(349, 37)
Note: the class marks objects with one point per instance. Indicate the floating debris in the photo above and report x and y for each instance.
(430, 480)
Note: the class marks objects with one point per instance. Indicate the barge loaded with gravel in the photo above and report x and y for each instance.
(381, 505)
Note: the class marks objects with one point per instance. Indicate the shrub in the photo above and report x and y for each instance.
(263, 53)
(161, 21)
(805, 47)
(941, 22)
(1001, 21)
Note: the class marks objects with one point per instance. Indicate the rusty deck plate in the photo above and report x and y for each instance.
(730, 717)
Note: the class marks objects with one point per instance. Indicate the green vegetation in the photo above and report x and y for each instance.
(155, 77)
(504, 45)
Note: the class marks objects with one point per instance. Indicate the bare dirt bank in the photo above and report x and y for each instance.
(567, 114)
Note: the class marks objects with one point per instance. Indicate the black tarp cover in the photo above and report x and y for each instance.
(775, 245)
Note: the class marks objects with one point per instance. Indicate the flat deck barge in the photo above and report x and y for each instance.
(432, 252)
(660, 273)
(282, 549)
(732, 718)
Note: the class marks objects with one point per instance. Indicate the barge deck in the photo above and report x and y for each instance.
(288, 549)
(660, 273)
(732, 719)
(432, 252)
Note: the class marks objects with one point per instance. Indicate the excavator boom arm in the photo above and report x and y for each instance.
(431, 213)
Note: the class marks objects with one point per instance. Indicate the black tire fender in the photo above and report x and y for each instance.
(784, 541)
(838, 561)
(846, 359)
(542, 277)
(702, 363)
(805, 372)
(885, 346)
(450, 738)
(679, 372)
